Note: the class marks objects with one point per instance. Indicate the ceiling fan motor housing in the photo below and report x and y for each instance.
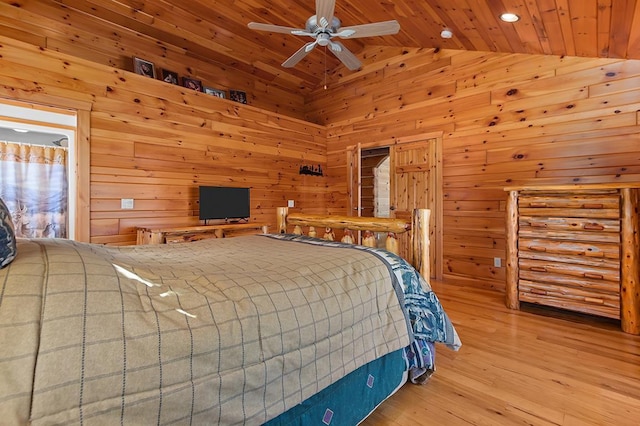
(312, 25)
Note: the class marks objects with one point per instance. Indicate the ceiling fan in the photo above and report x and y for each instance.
(323, 27)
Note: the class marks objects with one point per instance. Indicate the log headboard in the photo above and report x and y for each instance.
(418, 230)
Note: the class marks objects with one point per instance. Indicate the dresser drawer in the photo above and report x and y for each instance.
(573, 298)
(569, 247)
(587, 229)
(594, 273)
(561, 280)
(595, 262)
(603, 204)
(588, 200)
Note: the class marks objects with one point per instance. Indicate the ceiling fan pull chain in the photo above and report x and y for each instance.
(325, 68)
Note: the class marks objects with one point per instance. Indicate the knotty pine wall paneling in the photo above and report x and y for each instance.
(70, 27)
(156, 143)
(505, 119)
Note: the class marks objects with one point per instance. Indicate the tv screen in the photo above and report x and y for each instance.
(223, 202)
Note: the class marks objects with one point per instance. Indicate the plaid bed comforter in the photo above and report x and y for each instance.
(230, 331)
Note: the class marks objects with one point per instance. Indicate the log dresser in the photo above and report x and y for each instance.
(575, 247)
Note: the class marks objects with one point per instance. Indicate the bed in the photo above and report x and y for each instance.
(277, 329)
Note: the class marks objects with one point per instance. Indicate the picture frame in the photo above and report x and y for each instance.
(238, 96)
(144, 67)
(170, 77)
(215, 92)
(192, 83)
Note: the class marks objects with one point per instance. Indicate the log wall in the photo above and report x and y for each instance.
(504, 120)
(156, 142)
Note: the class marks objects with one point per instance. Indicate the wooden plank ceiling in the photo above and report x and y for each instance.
(216, 31)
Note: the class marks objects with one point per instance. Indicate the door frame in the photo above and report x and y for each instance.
(81, 167)
(437, 197)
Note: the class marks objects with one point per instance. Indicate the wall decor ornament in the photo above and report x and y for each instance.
(144, 67)
(215, 92)
(238, 96)
(169, 76)
(192, 83)
(311, 170)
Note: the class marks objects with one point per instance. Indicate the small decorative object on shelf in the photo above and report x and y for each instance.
(238, 96)
(192, 83)
(215, 92)
(169, 76)
(311, 170)
(144, 67)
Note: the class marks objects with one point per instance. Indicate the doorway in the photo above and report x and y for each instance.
(394, 180)
(37, 159)
(375, 196)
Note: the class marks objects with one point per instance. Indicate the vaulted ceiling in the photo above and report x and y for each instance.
(216, 30)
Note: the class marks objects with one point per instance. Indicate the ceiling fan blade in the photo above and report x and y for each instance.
(301, 53)
(309, 46)
(369, 30)
(274, 28)
(324, 9)
(303, 33)
(345, 55)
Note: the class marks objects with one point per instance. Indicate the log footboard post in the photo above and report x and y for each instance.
(329, 235)
(281, 216)
(420, 242)
(391, 243)
(630, 267)
(511, 295)
(347, 237)
(369, 239)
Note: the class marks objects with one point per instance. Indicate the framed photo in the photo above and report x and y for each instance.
(169, 76)
(144, 67)
(215, 92)
(238, 96)
(192, 83)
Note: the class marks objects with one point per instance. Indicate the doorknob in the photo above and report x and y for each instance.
(392, 208)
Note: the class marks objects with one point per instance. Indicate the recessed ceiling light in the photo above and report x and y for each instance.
(20, 130)
(509, 17)
(446, 33)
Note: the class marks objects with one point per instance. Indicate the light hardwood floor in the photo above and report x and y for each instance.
(533, 367)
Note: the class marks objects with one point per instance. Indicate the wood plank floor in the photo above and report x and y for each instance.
(534, 367)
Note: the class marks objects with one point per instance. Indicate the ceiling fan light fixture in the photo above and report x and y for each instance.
(509, 17)
(323, 39)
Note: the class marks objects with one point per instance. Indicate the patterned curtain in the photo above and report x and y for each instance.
(34, 186)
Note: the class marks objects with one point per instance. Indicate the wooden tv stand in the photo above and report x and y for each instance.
(194, 233)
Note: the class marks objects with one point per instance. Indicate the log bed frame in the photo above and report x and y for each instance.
(418, 230)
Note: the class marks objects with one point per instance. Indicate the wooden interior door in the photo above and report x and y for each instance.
(415, 183)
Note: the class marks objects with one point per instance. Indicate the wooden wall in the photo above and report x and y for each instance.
(70, 27)
(156, 142)
(503, 119)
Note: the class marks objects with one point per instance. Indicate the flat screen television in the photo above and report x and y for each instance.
(224, 202)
